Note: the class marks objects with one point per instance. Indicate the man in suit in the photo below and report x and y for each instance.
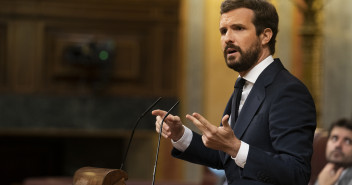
(266, 137)
(338, 153)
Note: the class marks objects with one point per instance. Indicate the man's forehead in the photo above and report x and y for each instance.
(341, 131)
(237, 15)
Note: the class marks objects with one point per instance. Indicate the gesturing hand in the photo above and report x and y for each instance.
(172, 127)
(218, 138)
(329, 175)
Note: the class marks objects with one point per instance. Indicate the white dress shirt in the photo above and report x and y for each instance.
(250, 78)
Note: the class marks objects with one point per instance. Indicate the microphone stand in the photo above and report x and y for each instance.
(134, 128)
(160, 131)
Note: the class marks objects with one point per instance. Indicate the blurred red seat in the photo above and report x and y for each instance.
(318, 158)
(48, 181)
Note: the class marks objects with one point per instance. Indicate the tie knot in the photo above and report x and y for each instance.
(240, 82)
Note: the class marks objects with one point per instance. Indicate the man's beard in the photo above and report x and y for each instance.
(246, 60)
(344, 162)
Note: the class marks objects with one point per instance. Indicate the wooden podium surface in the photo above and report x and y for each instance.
(99, 176)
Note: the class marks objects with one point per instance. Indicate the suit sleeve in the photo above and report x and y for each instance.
(198, 153)
(291, 124)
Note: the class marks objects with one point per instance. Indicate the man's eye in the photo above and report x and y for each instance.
(223, 31)
(348, 141)
(333, 138)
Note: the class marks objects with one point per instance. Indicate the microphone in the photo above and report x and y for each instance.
(160, 131)
(134, 128)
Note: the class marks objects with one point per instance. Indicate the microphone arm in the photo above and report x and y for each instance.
(134, 128)
(160, 131)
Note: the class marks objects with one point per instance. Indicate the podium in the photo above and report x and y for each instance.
(99, 176)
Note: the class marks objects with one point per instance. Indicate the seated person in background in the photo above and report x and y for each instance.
(338, 170)
(220, 175)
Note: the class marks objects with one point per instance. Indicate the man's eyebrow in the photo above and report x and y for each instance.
(233, 25)
(237, 25)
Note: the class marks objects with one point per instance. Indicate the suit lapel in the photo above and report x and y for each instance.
(256, 98)
(253, 101)
(228, 107)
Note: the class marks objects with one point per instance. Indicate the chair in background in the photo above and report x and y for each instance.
(318, 159)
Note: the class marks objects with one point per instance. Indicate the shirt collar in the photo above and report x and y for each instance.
(254, 73)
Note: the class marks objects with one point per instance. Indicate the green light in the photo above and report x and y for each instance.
(103, 55)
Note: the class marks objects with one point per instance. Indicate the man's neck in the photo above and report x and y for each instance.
(263, 57)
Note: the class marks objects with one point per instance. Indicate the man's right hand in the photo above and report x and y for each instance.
(172, 127)
(329, 174)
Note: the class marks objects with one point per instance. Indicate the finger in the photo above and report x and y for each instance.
(162, 114)
(197, 123)
(166, 127)
(225, 121)
(329, 166)
(339, 171)
(165, 135)
(159, 112)
(173, 118)
(159, 119)
(165, 130)
(205, 140)
(170, 120)
(204, 121)
(157, 124)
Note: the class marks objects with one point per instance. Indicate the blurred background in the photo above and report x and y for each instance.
(75, 75)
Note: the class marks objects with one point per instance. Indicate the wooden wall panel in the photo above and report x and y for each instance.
(142, 36)
(122, 10)
(51, 83)
(126, 71)
(3, 57)
(24, 55)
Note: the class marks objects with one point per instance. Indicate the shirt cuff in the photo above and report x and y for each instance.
(242, 155)
(183, 143)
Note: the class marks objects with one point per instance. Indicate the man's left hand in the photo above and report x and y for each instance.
(218, 138)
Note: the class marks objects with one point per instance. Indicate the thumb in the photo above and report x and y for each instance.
(225, 121)
(339, 171)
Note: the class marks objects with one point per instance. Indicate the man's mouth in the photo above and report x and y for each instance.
(337, 153)
(231, 50)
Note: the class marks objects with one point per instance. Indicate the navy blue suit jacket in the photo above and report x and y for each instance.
(278, 121)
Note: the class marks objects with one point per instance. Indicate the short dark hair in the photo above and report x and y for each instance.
(345, 123)
(265, 16)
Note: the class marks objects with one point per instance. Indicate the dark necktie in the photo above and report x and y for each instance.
(237, 99)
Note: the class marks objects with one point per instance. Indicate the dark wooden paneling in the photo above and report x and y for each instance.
(126, 72)
(3, 66)
(120, 10)
(143, 34)
(44, 93)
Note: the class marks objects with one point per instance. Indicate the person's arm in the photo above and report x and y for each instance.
(198, 153)
(241, 157)
(183, 137)
(205, 148)
(183, 143)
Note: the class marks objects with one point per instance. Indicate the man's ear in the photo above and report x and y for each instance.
(266, 36)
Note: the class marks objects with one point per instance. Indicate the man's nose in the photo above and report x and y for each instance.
(229, 37)
(338, 143)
